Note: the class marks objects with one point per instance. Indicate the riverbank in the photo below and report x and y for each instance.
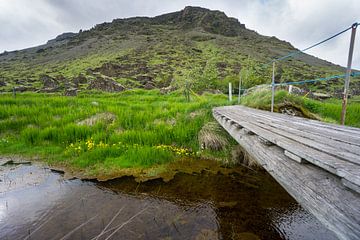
(103, 136)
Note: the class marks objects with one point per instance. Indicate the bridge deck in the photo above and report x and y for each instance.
(314, 149)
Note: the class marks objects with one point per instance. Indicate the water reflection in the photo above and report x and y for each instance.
(36, 203)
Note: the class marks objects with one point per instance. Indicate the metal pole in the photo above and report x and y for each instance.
(273, 88)
(239, 97)
(230, 92)
(348, 72)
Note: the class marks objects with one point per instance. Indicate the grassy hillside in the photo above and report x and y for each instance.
(195, 43)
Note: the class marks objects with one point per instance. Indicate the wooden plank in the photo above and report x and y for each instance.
(294, 157)
(320, 192)
(324, 145)
(333, 128)
(352, 139)
(326, 139)
(309, 122)
(329, 163)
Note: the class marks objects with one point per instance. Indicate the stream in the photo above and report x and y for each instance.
(37, 203)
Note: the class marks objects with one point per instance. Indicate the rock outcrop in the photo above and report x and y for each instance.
(106, 85)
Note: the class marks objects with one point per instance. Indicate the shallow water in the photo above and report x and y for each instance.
(36, 203)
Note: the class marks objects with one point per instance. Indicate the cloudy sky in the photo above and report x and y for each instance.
(26, 23)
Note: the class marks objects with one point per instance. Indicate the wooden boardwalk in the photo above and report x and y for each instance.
(317, 163)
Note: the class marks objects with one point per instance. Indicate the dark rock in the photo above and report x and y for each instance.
(49, 82)
(211, 21)
(144, 79)
(106, 84)
(21, 89)
(81, 79)
(71, 92)
(62, 37)
(41, 50)
(149, 86)
(2, 83)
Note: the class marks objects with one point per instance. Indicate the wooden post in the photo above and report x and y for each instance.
(348, 72)
(239, 97)
(273, 88)
(230, 92)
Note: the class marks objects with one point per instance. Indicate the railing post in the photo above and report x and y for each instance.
(230, 92)
(273, 87)
(348, 72)
(239, 89)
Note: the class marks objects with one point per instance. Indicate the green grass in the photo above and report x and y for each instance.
(328, 110)
(46, 125)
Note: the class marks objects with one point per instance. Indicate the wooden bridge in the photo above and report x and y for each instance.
(317, 163)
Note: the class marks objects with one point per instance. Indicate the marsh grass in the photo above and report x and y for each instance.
(46, 125)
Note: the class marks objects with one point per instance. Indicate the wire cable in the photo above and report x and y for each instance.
(294, 53)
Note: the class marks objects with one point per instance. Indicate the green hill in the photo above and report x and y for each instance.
(194, 44)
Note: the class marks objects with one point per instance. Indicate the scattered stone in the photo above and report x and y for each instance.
(71, 92)
(49, 84)
(106, 85)
(81, 79)
(168, 89)
(296, 90)
(149, 86)
(2, 83)
(21, 89)
(105, 117)
(320, 96)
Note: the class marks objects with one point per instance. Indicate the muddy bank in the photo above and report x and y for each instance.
(37, 203)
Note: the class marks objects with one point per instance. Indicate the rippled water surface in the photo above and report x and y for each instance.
(36, 203)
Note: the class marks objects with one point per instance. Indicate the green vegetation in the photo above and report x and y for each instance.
(93, 132)
(181, 49)
(327, 110)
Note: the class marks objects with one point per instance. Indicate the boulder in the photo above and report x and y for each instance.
(70, 92)
(49, 84)
(2, 83)
(106, 85)
(81, 79)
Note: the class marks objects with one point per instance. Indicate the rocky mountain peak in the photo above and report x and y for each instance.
(196, 17)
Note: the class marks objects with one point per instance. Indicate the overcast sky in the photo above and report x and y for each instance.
(26, 23)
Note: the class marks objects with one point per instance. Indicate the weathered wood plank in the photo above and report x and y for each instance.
(320, 192)
(345, 138)
(352, 139)
(339, 167)
(347, 153)
(347, 134)
(294, 157)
